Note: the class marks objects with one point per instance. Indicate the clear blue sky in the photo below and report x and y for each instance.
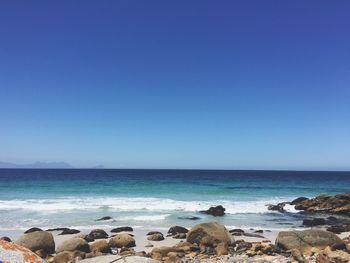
(176, 84)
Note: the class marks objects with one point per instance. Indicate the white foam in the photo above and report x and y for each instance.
(133, 204)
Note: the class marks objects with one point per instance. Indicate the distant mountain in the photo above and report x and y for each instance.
(98, 167)
(37, 165)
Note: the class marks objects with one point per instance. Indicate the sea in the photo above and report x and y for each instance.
(156, 199)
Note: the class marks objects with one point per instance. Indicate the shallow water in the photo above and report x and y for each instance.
(155, 198)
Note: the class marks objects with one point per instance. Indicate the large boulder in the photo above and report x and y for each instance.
(122, 240)
(305, 240)
(11, 252)
(38, 240)
(75, 243)
(209, 234)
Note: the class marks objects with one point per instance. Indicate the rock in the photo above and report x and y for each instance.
(68, 256)
(314, 222)
(98, 234)
(11, 252)
(338, 204)
(237, 230)
(242, 246)
(122, 240)
(153, 232)
(121, 229)
(177, 229)
(209, 234)
(88, 238)
(296, 254)
(260, 231)
(57, 229)
(7, 239)
(189, 217)
(104, 218)
(33, 229)
(305, 240)
(298, 200)
(156, 237)
(37, 240)
(180, 236)
(72, 244)
(100, 246)
(215, 211)
(253, 235)
(279, 207)
(69, 232)
(328, 256)
(339, 228)
(338, 246)
(221, 249)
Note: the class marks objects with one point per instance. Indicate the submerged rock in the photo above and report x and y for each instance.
(104, 218)
(37, 240)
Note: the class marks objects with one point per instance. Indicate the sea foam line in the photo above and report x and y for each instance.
(133, 204)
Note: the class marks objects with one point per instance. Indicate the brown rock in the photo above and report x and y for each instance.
(328, 256)
(122, 240)
(209, 234)
(100, 246)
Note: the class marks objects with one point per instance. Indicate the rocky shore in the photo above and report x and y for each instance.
(325, 239)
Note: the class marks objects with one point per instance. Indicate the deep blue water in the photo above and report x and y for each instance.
(76, 197)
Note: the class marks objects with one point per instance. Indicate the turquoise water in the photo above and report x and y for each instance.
(155, 198)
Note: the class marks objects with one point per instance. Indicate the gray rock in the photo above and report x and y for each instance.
(305, 240)
(75, 243)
